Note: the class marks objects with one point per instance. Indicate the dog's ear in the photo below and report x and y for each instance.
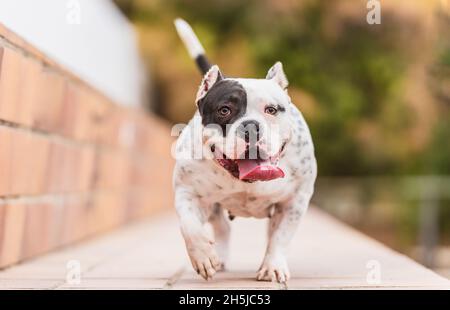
(277, 75)
(209, 79)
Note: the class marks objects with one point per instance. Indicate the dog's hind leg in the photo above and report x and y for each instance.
(221, 228)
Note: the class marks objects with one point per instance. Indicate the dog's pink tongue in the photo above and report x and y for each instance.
(254, 170)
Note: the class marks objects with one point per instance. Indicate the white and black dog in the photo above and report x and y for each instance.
(257, 160)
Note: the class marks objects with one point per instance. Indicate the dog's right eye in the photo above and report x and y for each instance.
(224, 111)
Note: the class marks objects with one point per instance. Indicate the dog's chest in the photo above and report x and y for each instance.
(247, 205)
(240, 198)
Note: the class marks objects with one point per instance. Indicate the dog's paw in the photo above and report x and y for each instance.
(274, 268)
(222, 251)
(204, 259)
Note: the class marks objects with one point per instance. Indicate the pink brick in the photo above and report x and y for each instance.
(40, 146)
(13, 234)
(70, 111)
(10, 85)
(2, 225)
(29, 153)
(29, 88)
(21, 162)
(36, 229)
(49, 101)
(5, 161)
(1, 58)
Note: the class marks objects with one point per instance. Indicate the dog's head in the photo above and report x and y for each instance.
(246, 122)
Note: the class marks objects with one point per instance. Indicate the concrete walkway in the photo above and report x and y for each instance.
(151, 255)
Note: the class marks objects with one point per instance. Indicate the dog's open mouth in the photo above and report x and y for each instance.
(263, 168)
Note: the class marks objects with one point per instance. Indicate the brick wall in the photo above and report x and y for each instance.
(72, 162)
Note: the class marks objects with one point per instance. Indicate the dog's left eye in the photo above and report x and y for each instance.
(271, 110)
(224, 111)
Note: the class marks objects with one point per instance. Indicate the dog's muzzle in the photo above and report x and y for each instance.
(253, 165)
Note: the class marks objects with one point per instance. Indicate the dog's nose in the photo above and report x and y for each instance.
(250, 131)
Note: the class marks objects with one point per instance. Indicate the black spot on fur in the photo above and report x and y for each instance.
(280, 108)
(225, 93)
(231, 216)
(216, 212)
(203, 63)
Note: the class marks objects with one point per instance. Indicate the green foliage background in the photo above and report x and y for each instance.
(353, 71)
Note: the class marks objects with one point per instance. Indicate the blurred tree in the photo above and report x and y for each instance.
(352, 72)
(436, 157)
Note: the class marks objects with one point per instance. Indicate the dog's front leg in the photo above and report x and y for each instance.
(199, 245)
(282, 227)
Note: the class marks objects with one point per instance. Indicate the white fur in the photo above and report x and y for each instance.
(189, 38)
(209, 79)
(276, 74)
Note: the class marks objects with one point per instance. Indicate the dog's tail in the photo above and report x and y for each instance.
(192, 44)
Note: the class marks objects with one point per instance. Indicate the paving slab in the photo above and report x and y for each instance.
(150, 254)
